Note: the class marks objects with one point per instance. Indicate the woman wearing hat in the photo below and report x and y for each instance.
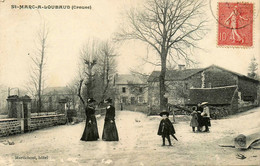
(91, 131)
(206, 116)
(110, 130)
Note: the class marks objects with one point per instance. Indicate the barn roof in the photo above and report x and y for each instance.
(214, 96)
(234, 73)
(177, 75)
(173, 75)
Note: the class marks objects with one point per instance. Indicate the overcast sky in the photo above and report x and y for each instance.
(70, 29)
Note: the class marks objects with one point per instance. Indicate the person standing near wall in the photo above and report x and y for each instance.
(110, 131)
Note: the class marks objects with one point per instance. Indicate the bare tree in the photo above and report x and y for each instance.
(170, 27)
(79, 93)
(72, 90)
(98, 67)
(89, 55)
(108, 65)
(38, 68)
(252, 69)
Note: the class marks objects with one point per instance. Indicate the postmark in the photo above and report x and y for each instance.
(235, 24)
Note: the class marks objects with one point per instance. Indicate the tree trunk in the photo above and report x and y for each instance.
(89, 86)
(106, 75)
(40, 77)
(39, 91)
(162, 81)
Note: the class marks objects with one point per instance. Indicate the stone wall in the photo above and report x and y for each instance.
(137, 108)
(40, 122)
(9, 127)
(248, 89)
(212, 77)
(215, 77)
(154, 110)
(218, 112)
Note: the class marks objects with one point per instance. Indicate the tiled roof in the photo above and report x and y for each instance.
(173, 75)
(234, 73)
(128, 78)
(214, 96)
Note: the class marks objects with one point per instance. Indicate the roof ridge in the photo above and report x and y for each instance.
(233, 72)
(153, 74)
(221, 87)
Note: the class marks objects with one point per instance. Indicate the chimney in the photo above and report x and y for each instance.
(181, 67)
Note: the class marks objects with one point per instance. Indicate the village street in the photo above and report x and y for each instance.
(138, 145)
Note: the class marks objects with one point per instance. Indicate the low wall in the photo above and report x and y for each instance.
(43, 113)
(136, 108)
(218, 112)
(40, 122)
(9, 127)
(246, 108)
(154, 110)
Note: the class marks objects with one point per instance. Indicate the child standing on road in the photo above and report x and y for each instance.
(194, 119)
(166, 128)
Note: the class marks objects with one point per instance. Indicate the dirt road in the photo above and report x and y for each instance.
(138, 145)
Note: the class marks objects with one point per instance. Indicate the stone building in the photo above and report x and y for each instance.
(63, 100)
(131, 92)
(180, 82)
(53, 97)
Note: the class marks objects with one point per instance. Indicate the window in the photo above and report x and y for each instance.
(186, 86)
(132, 100)
(124, 100)
(248, 98)
(123, 89)
(210, 85)
(141, 90)
(141, 99)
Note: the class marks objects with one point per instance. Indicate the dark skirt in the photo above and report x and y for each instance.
(91, 131)
(200, 120)
(110, 131)
(206, 121)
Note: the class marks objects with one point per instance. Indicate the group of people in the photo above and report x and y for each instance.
(200, 117)
(91, 130)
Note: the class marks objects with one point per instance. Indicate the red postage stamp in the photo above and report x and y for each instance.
(235, 24)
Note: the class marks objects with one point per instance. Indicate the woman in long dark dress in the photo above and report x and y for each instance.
(200, 120)
(91, 131)
(110, 131)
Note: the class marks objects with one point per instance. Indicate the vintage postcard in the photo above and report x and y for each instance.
(133, 82)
